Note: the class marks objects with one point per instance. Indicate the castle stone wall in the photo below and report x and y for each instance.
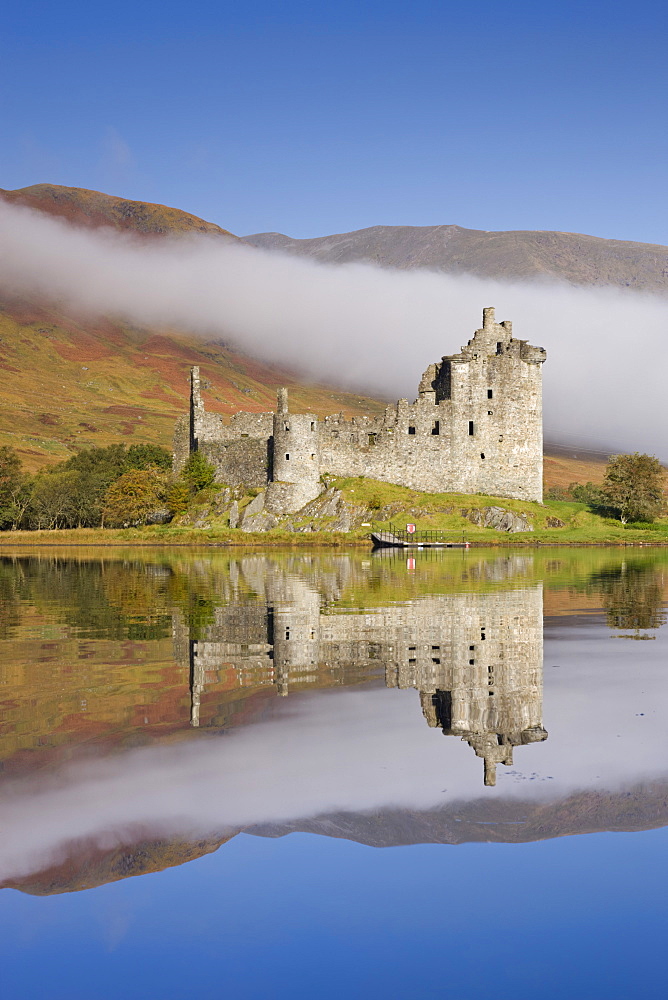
(240, 461)
(476, 427)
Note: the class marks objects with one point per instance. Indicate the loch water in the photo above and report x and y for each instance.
(286, 774)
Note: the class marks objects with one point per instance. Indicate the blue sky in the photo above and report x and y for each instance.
(306, 916)
(311, 118)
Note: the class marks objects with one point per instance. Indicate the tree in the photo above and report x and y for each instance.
(89, 474)
(178, 497)
(53, 500)
(198, 472)
(13, 490)
(633, 487)
(587, 493)
(135, 495)
(145, 456)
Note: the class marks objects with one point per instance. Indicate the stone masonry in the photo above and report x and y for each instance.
(476, 427)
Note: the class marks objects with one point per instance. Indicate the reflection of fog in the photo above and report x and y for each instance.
(476, 658)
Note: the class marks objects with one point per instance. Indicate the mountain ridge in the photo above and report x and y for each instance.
(513, 255)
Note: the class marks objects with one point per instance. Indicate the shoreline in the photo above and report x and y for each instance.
(136, 538)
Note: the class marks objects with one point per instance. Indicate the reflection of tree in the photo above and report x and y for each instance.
(100, 600)
(108, 598)
(9, 599)
(632, 595)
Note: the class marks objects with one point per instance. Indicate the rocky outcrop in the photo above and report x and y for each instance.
(255, 517)
(329, 512)
(498, 518)
(160, 516)
(333, 511)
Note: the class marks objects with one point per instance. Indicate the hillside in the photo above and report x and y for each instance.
(506, 256)
(75, 384)
(93, 209)
(71, 384)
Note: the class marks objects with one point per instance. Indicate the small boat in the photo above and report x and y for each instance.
(415, 540)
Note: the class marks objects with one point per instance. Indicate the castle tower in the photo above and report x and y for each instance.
(196, 408)
(296, 459)
(494, 393)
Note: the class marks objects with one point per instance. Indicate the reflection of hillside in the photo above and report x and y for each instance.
(476, 658)
(87, 864)
(512, 821)
(509, 821)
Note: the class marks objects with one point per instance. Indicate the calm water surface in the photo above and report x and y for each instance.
(333, 775)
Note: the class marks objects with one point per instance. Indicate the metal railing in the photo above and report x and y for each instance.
(420, 536)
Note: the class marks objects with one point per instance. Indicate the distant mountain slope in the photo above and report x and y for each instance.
(578, 259)
(94, 209)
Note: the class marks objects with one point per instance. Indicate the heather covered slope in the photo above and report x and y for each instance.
(71, 383)
(505, 256)
(93, 209)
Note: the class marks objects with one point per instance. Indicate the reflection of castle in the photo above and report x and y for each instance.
(483, 681)
(476, 658)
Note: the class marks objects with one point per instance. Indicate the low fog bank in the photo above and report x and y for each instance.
(357, 325)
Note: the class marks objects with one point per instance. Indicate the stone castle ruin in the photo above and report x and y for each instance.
(476, 427)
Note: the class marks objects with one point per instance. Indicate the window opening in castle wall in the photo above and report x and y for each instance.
(471, 427)
(490, 394)
(411, 430)
(436, 429)
(287, 456)
(286, 425)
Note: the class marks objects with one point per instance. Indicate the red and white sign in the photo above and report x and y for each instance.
(410, 528)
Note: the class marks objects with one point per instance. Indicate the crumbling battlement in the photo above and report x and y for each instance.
(476, 427)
